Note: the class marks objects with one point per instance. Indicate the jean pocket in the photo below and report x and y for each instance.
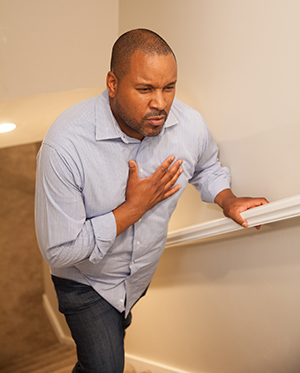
(73, 296)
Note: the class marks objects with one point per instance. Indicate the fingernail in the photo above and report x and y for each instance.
(244, 224)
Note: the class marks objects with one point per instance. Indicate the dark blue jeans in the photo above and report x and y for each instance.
(97, 328)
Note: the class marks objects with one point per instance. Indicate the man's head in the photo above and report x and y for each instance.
(127, 44)
(141, 82)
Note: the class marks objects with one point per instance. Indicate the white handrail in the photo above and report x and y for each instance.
(274, 211)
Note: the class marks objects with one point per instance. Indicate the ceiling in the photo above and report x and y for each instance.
(33, 115)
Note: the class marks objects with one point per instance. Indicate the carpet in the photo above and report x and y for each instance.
(23, 323)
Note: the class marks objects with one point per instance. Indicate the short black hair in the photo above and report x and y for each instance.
(127, 44)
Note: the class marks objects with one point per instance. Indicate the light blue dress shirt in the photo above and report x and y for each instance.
(82, 172)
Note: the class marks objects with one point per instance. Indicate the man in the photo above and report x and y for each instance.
(110, 172)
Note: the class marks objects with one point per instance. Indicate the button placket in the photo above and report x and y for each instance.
(136, 244)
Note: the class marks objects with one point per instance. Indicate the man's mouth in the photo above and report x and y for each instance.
(156, 121)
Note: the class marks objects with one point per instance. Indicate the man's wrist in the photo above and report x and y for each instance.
(125, 216)
(223, 196)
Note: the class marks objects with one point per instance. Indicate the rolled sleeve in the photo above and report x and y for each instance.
(65, 235)
(215, 184)
(105, 233)
(210, 176)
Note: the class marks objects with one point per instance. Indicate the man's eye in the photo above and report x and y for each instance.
(144, 90)
(169, 88)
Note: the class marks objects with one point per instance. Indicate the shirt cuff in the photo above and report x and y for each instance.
(213, 188)
(105, 232)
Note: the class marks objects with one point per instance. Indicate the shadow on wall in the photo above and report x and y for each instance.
(263, 164)
(217, 258)
(225, 304)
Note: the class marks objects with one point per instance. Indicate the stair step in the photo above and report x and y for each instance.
(56, 366)
(67, 369)
(44, 361)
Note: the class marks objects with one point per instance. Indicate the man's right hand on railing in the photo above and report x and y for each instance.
(233, 206)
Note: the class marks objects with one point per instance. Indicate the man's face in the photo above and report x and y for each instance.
(142, 99)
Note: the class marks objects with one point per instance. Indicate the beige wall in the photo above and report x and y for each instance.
(53, 54)
(239, 66)
(230, 304)
(52, 45)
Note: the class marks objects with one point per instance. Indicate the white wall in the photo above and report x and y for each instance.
(230, 304)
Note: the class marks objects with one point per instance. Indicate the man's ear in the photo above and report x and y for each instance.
(111, 84)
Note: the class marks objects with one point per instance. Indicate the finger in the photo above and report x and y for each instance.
(237, 217)
(173, 173)
(255, 202)
(172, 191)
(173, 180)
(244, 223)
(264, 201)
(164, 167)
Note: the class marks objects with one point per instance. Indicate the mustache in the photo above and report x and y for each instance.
(156, 113)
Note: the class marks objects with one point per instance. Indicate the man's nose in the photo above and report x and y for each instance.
(158, 100)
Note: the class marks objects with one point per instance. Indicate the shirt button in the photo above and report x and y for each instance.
(120, 306)
(132, 262)
(141, 169)
(138, 243)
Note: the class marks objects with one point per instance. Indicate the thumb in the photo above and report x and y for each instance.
(240, 220)
(132, 168)
(245, 224)
(237, 217)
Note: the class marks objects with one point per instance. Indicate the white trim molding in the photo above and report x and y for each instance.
(55, 322)
(274, 211)
(138, 363)
(145, 365)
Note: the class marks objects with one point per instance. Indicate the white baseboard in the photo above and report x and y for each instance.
(55, 323)
(143, 365)
(138, 363)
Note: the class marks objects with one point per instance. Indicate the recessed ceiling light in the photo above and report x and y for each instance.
(6, 127)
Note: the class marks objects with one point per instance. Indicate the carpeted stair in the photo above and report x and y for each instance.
(58, 358)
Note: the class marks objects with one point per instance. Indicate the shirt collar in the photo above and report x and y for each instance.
(106, 125)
